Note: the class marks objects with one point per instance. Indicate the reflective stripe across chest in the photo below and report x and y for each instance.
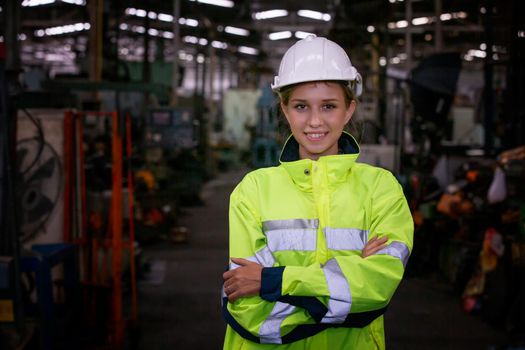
(301, 235)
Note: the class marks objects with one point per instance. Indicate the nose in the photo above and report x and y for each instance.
(315, 119)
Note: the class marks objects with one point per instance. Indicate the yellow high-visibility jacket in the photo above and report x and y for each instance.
(307, 223)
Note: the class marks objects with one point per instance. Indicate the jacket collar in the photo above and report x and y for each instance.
(334, 167)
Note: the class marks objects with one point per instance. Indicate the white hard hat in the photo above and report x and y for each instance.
(315, 59)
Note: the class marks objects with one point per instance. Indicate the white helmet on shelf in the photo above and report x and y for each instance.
(316, 59)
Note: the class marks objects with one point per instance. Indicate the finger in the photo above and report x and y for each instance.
(242, 262)
(374, 250)
(227, 286)
(373, 245)
(377, 240)
(228, 274)
(233, 296)
(383, 239)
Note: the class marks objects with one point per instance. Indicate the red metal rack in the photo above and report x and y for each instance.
(111, 247)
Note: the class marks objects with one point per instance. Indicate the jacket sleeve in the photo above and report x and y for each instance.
(351, 286)
(254, 318)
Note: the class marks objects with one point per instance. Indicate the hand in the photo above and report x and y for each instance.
(374, 245)
(244, 281)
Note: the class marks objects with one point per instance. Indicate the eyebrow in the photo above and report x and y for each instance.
(325, 100)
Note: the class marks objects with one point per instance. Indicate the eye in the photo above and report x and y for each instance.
(329, 106)
(299, 106)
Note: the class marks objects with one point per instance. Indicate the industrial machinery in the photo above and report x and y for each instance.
(265, 148)
(169, 172)
(171, 129)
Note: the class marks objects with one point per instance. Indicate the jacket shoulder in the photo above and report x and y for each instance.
(369, 170)
(252, 180)
(376, 176)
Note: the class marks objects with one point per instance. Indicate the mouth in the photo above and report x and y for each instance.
(315, 136)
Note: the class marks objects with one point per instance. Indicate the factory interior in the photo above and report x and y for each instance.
(126, 125)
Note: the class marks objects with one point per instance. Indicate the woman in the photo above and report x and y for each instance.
(318, 245)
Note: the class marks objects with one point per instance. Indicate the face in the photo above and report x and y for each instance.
(317, 113)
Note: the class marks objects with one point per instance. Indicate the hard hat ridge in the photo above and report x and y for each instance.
(316, 59)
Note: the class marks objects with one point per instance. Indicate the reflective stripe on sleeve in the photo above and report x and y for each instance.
(340, 296)
(345, 238)
(270, 331)
(263, 257)
(397, 250)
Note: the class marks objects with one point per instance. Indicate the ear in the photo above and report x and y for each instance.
(350, 111)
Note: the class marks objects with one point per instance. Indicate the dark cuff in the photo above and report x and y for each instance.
(315, 308)
(271, 283)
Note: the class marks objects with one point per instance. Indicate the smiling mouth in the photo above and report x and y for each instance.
(315, 136)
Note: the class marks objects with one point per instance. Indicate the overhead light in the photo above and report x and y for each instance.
(370, 29)
(168, 35)
(33, 3)
(270, 14)
(222, 3)
(401, 24)
(248, 50)
(219, 44)
(382, 61)
(468, 58)
(139, 29)
(477, 53)
(483, 46)
(153, 32)
(521, 33)
(395, 60)
(76, 2)
(418, 21)
(425, 20)
(302, 35)
(190, 39)
(280, 35)
(314, 15)
(194, 40)
(201, 58)
(165, 17)
(141, 13)
(65, 29)
(190, 22)
(236, 31)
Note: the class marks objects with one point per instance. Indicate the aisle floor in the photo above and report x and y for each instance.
(179, 303)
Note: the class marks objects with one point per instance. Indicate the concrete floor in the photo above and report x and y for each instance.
(180, 303)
